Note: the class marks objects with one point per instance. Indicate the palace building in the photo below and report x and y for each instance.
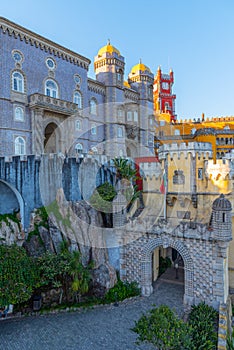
(49, 104)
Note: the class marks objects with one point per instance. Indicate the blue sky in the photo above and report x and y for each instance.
(195, 38)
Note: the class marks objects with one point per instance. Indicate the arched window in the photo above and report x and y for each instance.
(79, 148)
(135, 116)
(51, 88)
(120, 131)
(120, 112)
(93, 106)
(19, 113)
(20, 146)
(77, 99)
(17, 82)
(129, 116)
(78, 125)
(93, 129)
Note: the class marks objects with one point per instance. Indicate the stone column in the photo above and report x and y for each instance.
(37, 131)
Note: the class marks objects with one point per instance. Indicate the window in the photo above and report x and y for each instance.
(17, 56)
(177, 132)
(51, 88)
(129, 116)
(50, 63)
(224, 217)
(162, 122)
(120, 131)
(167, 106)
(135, 116)
(77, 79)
(20, 146)
(17, 82)
(19, 114)
(193, 130)
(93, 129)
(119, 76)
(93, 106)
(121, 153)
(77, 99)
(78, 125)
(120, 112)
(200, 174)
(79, 148)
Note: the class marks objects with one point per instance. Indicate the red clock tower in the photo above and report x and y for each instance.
(164, 100)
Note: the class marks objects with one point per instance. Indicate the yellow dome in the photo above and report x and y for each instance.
(126, 84)
(108, 48)
(140, 67)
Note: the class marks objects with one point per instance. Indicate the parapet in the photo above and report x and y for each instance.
(203, 149)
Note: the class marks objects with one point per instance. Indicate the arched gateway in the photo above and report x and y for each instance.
(146, 264)
(204, 249)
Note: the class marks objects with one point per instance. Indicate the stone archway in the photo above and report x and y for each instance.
(51, 138)
(146, 266)
(12, 200)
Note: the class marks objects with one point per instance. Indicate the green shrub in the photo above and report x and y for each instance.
(162, 328)
(203, 321)
(166, 331)
(230, 341)
(164, 263)
(122, 290)
(18, 275)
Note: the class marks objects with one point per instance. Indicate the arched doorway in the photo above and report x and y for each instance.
(11, 200)
(168, 265)
(51, 138)
(146, 266)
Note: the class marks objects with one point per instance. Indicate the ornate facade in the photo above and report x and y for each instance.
(49, 104)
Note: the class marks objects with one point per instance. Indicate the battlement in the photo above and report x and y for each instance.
(203, 149)
(207, 119)
(101, 159)
(221, 168)
(148, 170)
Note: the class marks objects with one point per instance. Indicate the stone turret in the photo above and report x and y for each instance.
(221, 219)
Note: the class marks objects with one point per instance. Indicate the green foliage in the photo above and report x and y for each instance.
(64, 270)
(230, 341)
(164, 329)
(164, 263)
(43, 215)
(122, 290)
(18, 275)
(124, 169)
(102, 198)
(9, 217)
(203, 320)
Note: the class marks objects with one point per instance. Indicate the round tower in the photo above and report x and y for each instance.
(221, 219)
(109, 66)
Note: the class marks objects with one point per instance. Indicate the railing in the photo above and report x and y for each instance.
(53, 104)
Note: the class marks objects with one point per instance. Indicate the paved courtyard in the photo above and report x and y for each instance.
(102, 328)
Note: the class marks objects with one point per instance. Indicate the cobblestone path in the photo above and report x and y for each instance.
(102, 328)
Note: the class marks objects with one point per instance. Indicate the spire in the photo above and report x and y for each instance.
(108, 42)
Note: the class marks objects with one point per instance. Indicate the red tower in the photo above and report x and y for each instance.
(164, 100)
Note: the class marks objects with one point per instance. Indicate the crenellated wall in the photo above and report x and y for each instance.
(29, 182)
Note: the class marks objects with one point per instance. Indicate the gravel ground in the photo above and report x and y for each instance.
(101, 328)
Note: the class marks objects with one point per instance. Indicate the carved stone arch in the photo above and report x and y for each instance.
(146, 265)
(19, 199)
(52, 136)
